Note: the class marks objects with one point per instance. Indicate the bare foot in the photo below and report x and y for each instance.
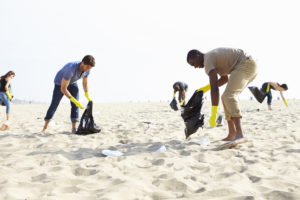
(73, 131)
(4, 127)
(228, 139)
(269, 108)
(239, 136)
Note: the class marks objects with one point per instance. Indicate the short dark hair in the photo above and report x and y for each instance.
(284, 86)
(192, 54)
(89, 60)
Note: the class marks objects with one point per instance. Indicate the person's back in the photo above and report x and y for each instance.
(224, 60)
(71, 71)
(179, 86)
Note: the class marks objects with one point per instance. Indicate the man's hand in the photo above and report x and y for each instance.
(213, 116)
(87, 96)
(204, 89)
(77, 103)
(182, 103)
(285, 103)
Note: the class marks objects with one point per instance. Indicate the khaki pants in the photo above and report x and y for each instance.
(239, 78)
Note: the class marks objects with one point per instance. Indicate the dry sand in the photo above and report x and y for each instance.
(59, 165)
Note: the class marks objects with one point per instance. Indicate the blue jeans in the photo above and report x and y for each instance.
(4, 101)
(268, 94)
(56, 98)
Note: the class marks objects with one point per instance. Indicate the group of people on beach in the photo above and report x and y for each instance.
(222, 65)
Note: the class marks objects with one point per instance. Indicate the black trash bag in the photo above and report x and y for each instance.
(191, 114)
(258, 94)
(87, 124)
(173, 104)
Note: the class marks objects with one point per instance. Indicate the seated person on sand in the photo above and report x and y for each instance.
(65, 83)
(5, 95)
(265, 91)
(181, 88)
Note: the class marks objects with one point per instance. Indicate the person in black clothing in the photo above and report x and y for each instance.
(181, 88)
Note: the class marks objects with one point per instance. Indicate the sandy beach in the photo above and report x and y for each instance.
(157, 162)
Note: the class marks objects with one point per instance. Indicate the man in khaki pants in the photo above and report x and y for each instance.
(241, 70)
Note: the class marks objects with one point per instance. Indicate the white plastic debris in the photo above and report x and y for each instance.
(203, 141)
(162, 149)
(112, 153)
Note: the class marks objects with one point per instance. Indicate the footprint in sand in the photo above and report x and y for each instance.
(40, 178)
(254, 179)
(158, 162)
(55, 169)
(72, 189)
(84, 172)
(171, 185)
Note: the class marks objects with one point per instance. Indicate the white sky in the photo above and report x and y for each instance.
(140, 46)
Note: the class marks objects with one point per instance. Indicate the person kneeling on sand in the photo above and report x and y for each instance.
(65, 83)
(241, 70)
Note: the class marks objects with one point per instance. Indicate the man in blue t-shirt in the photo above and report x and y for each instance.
(66, 84)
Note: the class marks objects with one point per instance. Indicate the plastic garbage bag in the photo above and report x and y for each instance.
(191, 114)
(87, 124)
(258, 94)
(173, 104)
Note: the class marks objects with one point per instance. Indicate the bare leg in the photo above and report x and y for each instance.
(269, 107)
(231, 131)
(238, 127)
(7, 117)
(45, 126)
(74, 125)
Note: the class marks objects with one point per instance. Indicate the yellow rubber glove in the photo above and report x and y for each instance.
(204, 89)
(182, 103)
(9, 96)
(285, 103)
(268, 88)
(213, 116)
(87, 96)
(77, 103)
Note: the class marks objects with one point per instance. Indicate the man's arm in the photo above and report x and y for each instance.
(283, 99)
(181, 97)
(85, 84)
(214, 89)
(222, 80)
(64, 88)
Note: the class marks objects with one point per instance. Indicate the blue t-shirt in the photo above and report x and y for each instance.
(71, 71)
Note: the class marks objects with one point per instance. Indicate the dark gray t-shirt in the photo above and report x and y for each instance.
(182, 85)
